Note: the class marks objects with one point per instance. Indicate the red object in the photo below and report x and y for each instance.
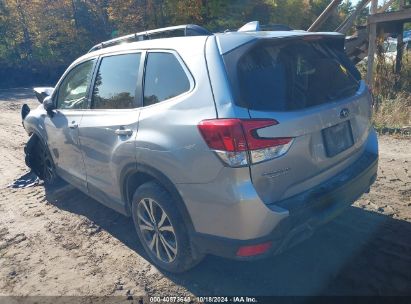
(235, 135)
(252, 250)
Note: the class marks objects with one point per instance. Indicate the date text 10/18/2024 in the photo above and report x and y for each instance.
(203, 299)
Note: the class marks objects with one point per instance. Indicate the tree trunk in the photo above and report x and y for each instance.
(74, 11)
(400, 47)
(28, 47)
(371, 45)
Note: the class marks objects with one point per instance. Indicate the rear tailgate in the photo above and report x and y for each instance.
(307, 163)
(310, 88)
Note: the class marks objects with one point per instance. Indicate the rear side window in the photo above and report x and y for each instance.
(164, 78)
(116, 82)
(292, 76)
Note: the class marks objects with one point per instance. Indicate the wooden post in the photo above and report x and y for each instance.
(400, 47)
(402, 4)
(386, 6)
(324, 15)
(371, 44)
(348, 22)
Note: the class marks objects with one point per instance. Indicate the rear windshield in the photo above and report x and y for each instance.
(290, 76)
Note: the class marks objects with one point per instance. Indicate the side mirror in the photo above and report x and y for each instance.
(43, 92)
(48, 104)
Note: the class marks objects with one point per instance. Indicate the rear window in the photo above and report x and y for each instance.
(291, 76)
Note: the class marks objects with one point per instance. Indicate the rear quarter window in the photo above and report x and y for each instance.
(164, 78)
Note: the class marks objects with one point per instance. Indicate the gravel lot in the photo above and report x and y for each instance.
(60, 242)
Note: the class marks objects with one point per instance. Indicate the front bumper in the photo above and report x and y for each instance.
(307, 211)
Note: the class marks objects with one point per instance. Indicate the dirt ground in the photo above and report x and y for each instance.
(60, 242)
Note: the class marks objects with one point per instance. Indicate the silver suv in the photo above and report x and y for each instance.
(236, 144)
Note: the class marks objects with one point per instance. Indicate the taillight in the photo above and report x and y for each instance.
(236, 140)
(226, 138)
(223, 134)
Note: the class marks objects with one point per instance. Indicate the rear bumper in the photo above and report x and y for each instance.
(307, 211)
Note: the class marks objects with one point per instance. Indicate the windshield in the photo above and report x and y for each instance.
(292, 76)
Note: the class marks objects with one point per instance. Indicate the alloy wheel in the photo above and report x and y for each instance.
(157, 230)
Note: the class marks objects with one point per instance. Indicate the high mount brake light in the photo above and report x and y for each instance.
(312, 38)
(236, 140)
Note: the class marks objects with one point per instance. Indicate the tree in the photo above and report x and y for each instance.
(39, 38)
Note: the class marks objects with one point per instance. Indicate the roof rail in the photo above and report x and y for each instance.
(166, 32)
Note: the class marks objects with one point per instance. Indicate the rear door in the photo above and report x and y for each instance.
(108, 129)
(317, 99)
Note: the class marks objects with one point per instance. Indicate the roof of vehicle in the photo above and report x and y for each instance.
(174, 43)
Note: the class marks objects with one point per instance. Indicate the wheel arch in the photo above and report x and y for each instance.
(135, 176)
(34, 133)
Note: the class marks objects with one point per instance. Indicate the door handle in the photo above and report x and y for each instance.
(123, 132)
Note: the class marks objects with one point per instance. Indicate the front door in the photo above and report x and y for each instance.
(62, 126)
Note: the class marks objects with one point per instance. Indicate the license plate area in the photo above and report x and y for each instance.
(337, 138)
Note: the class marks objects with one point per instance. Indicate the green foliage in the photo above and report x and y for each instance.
(387, 82)
(39, 38)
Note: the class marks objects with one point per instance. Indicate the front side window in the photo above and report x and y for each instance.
(116, 82)
(73, 90)
(164, 78)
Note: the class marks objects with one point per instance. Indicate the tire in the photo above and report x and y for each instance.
(42, 163)
(164, 239)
